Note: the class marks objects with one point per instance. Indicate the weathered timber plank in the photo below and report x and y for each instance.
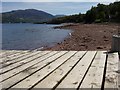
(11, 52)
(52, 80)
(24, 66)
(41, 74)
(25, 61)
(13, 57)
(8, 53)
(10, 62)
(73, 79)
(94, 77)
(4, 54)
(29, 70)
(111, 78)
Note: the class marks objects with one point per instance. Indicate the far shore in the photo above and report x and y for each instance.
(87, 37)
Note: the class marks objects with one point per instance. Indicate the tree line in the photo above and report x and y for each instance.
(100, 13)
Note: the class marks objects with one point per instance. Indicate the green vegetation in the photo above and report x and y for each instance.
(98, 14)
(68, 19)
(101, 13)
(26, 16)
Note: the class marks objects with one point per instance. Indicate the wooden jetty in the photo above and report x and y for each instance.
(59, 70)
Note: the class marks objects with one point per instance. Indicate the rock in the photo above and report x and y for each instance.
(104, 37)
(86, 47)
(64, 40)
(106, 40)
(99, 47)
(82, 45)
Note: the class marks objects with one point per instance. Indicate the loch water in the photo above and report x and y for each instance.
(26, 36)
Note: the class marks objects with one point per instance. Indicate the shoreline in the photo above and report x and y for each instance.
(86, 37)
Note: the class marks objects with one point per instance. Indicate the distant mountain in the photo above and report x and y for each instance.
(57, 16)
(26, 16)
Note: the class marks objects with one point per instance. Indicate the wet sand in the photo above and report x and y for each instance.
(87, 37)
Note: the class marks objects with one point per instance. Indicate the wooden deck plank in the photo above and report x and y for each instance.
(7, 51)
(7, 57)
(23, 67)
(76, 75)
(4, 54)
(111, 80)
(13, 57)
(119, 74)
(31, 70)
(62, 69)
(41, 74)
(52, 80)
(10, 62)
(94, 77)
(23, 62)
(11, 52)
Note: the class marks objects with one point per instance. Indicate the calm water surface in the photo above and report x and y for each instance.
(31, 36)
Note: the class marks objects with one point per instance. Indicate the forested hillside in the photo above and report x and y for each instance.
(26, 16)
(101, 13)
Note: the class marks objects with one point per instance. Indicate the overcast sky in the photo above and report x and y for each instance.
(55, 8)
(58, 0)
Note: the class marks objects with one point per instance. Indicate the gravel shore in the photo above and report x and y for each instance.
(87, 37)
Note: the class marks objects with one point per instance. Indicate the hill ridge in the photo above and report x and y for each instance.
(26, 16)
